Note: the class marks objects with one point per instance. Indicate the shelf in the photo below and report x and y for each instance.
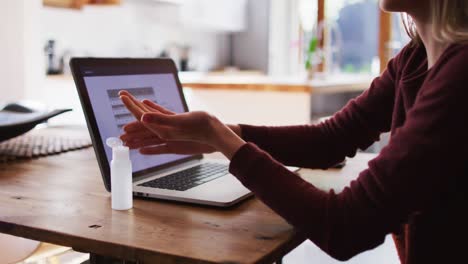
(175, 2)
(78, 4)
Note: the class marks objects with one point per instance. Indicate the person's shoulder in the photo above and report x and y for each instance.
(410, 50)
(457, 48)
(452, 64)
(412, 57)
(456, 55)
(449, 75)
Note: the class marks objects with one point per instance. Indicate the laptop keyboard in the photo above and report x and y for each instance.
(189, 178)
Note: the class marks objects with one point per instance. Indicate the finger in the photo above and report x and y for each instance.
(156, 150)
(144, 143)
(134, 126)
(169, 127)
(135, 101)
(161, 119)
(174, 147)
(128, 94)
(132, 107)
(157, 107)
(123, 92)
(137, 135)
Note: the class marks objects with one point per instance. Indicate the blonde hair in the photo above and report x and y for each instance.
(449, 18)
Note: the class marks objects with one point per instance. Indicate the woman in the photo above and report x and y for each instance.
(415, 189)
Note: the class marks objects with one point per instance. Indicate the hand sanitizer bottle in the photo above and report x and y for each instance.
(121, 175)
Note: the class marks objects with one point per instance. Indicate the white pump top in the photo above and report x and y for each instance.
(119, 151)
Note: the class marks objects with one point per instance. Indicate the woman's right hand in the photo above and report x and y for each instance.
(137, 136)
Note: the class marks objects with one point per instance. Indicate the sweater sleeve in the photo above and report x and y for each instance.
(418, 167)
(357, 125)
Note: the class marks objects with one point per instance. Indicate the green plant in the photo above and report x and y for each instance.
(310, 53)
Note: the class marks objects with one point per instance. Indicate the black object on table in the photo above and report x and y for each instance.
(16, 119)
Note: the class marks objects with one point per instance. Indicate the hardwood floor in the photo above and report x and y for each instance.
(53, 254)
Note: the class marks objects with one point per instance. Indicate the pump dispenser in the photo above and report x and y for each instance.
(121, 175)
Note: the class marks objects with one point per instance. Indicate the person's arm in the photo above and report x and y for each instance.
(236, 129)
(356, 126)
(419, 167)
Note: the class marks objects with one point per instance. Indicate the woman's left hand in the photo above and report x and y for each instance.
(197, 126)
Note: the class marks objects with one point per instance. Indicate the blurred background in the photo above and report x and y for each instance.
(283, 61)
(289, 40)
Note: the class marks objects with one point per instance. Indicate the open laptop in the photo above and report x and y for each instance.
(185, 178)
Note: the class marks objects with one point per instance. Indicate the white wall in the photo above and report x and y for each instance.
(22, 65)
(284, 38)
(251, 48)
(270, 42)
(136, 28)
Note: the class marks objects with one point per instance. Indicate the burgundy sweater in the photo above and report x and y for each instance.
(415, 188)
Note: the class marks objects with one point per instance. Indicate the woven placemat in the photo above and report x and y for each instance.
(35, 146)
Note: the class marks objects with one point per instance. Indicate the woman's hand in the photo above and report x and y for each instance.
(137, 136)
(184, 133)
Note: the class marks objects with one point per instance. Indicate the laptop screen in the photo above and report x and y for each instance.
(103, 86)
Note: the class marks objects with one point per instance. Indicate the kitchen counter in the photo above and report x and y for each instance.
(338, 83)
(60, 92)
(255, 81)
(212, 91)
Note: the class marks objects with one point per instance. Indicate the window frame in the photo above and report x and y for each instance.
(384, 36)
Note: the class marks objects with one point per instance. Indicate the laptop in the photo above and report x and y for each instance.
(183, 178)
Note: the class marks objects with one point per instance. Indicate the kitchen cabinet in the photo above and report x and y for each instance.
(75, 4)
(78, 4)
(214, 15)
(103, 2)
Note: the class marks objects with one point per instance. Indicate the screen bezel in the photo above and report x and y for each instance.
(150, 66)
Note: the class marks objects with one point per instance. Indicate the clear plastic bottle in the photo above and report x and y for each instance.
(121, 175)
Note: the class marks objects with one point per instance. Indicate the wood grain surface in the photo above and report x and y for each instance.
(61, 200)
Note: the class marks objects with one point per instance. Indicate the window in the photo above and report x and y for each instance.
(353, 29)
(357, 37)
(399, 36)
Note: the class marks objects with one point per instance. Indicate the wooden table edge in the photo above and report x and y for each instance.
(82, 244)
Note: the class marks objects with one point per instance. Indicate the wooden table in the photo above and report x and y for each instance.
(61, 200)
